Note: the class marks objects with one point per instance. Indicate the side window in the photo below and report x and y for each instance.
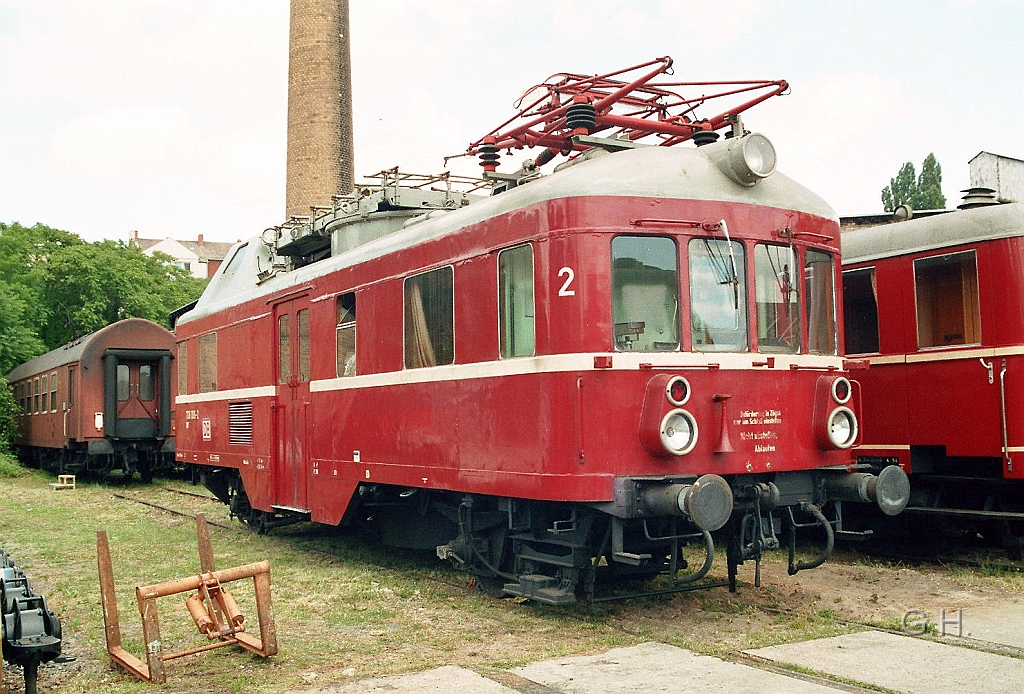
(777, 298)
(123, 384)
(946, 289)
(183, 368)
(645, 293)
(284, 348)
(71, 386)
(35, 394)
(208, 363)
(516, 316)
(860, 311)
(53, 392)
(345, 335)
(147, 385)
(819, 281)
(430, 319)
(718, 295)
(302, 325)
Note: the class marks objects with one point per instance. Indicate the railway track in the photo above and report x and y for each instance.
(471, 584)
(241, 528)
(172, 511)
(980, 564)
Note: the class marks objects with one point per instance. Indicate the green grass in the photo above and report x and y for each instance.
(345, 607)
(340, 603)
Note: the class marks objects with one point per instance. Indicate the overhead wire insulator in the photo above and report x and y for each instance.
(488, 157)
(704, 137)
(582, 116)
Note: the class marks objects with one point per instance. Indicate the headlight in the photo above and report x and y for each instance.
(842, 427)
(841, 390)
(758, 156)
(746, 159)
(678, 432)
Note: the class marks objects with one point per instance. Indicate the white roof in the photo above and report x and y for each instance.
(985, 223)
(657, 172)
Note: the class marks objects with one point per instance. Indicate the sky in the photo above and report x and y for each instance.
(168, 117)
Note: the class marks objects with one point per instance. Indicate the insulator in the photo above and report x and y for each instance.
(489, 157)
(704, 137)
(581, 116)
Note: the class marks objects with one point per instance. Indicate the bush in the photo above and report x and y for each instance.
(8, 416)
(9, 467)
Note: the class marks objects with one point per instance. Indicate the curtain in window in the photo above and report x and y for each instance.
(821, 324)
(419, 352)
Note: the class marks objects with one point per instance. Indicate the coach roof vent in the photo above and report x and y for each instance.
(977, 197)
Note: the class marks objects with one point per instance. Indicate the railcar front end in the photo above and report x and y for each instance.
(99, 404)
(581, 374)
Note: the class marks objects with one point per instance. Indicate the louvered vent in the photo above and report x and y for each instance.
(240, 423)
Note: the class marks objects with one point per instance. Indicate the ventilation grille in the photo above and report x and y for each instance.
(240, 423)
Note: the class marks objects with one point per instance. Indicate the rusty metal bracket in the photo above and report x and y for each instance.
(212, 608)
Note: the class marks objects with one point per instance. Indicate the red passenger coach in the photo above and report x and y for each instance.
(100, 403)
(936, 305)
(581, 373)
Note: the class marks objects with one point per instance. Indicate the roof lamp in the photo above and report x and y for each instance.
(746, 159)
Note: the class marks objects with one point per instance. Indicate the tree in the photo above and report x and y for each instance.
(55, 287)
(96, 284)
(24, 253)
(64, 288)
(921, 193)
(18, 340)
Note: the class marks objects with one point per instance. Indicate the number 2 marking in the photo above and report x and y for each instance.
(569, 277)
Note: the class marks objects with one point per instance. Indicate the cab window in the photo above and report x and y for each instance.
(777, 298)
(718, 291)
(645, 293)
(819, 288)
(208, 363)
(182, 367)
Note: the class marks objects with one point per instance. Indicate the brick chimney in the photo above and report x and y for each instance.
(319, 160)
(200, 239)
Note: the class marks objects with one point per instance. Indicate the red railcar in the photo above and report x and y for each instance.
(581, 373)
(100, 403)
(935, 305)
